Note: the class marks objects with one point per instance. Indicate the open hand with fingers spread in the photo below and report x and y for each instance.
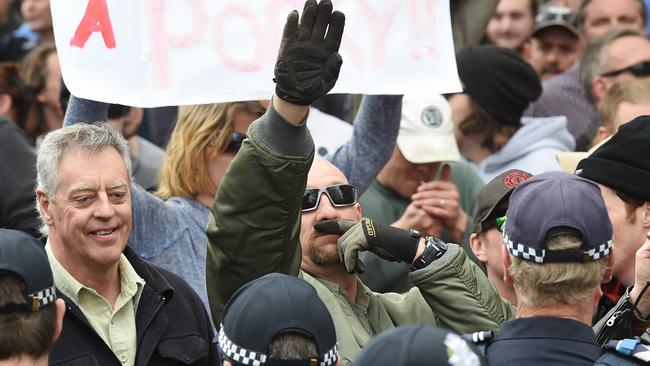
(308, 61)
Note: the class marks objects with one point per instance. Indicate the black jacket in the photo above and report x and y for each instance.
(172, 326)
(543, 341)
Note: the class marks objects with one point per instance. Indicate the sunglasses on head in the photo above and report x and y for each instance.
(340, 195)
(557, 13)
(236, 139)
(640, 69)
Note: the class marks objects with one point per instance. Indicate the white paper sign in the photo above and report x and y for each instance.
(152, 53)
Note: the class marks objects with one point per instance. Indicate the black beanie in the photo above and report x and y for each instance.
(499, 81)
(622, 163)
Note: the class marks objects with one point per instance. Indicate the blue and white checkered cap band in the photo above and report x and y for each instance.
(44, 297)
(330, 357)
(537, 255)
(252, 358)
(239, 354)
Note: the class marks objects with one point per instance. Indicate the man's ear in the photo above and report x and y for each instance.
(5, 104)
(525, 51)
(60, 312)
(602, 133)
(44, 206)
(599, 86)
(646, 218)
(507, 262)
(477, 247)
(357, 207)
(609, 273)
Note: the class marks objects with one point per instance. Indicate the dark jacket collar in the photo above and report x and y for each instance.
(150, 274)
(547, 327)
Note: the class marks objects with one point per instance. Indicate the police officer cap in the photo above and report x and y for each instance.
(418, 346)
(271, 305)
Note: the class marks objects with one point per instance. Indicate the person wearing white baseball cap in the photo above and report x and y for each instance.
(426, 133)
(424, 186)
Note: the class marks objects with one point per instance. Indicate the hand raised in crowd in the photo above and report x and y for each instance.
(441, 201)
(641, 277)
(308, 61)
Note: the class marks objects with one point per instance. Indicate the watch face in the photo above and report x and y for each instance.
(435, 249)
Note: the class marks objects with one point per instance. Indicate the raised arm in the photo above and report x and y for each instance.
(254, 225)
(373, 140)
(85, 111)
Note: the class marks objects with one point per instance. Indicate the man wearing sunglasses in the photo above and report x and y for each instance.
(276, 212)
(621, 55)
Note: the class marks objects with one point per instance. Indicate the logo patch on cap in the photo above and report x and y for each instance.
(431, 117)
(514, 179)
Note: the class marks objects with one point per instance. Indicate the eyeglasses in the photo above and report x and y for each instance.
(640, 69)
(236, 139)
(499, 221)
(340, 195)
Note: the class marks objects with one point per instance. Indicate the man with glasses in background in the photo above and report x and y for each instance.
(276, 212)
(564, 94)
(620, 55)
(555, 44)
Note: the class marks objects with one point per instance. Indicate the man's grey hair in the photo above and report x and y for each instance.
(91, 138)
(593, 59)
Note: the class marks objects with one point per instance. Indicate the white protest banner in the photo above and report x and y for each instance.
(152, 53)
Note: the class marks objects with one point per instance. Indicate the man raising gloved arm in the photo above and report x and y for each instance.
(268, 207)
(254, 224)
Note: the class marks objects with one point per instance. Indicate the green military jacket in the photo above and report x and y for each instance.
(386, 206)
(254, 229)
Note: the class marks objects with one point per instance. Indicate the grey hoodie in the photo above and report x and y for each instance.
(532, 148)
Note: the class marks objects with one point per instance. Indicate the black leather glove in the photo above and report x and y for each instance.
(308, 61)
(387, 242)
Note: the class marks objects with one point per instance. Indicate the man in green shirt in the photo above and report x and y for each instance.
(425, 186)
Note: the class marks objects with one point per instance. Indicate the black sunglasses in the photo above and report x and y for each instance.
(640, 69)
(340, 195)
(236, 139)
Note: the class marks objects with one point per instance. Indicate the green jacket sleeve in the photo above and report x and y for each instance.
(460, 294)
(254, 224)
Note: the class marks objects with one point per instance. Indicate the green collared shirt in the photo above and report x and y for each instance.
(356, 313)
(116, 324)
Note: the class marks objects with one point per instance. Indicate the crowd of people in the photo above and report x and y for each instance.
(508, 224)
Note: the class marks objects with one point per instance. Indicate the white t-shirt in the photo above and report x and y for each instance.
(328, 131)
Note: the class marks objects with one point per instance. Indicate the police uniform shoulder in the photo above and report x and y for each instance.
(625, 352)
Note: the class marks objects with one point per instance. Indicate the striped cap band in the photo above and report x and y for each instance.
(251, 358)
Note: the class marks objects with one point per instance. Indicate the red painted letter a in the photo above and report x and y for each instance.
(96, 19)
